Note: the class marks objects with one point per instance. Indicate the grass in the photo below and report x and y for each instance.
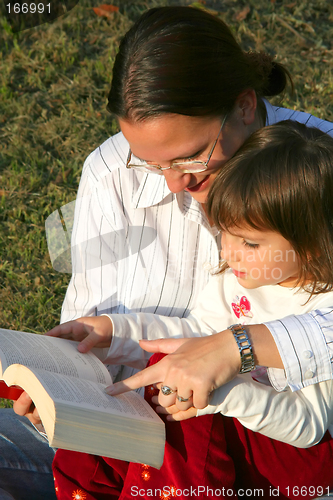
(54, 80)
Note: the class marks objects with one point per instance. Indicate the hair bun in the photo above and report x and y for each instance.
(263, 62)
(271, 74)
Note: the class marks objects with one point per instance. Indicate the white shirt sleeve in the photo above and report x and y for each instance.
(299, 418)
(305, 344)
(208, 317)
(94, 248)
(128, 329)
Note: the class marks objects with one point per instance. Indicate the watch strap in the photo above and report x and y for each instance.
(245, 348)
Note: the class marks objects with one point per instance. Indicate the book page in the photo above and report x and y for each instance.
(85, 394)
(50, 354)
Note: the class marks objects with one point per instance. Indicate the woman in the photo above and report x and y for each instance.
(143, 242)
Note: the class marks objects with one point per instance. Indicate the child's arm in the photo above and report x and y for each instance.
(299, 418)
(122, 332)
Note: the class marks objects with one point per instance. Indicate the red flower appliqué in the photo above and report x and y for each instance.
(79, 495)
(145, 473)
(151, 390)
(242, 307)
(168, 492)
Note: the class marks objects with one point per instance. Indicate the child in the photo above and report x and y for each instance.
(273, 203)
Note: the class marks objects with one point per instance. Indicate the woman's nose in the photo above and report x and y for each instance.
(176, 181)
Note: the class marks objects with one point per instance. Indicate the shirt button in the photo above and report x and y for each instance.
(207, 266)
(309, 374)
(307, 354)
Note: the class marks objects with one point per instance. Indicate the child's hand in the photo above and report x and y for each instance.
(89, 331)
(174, 413)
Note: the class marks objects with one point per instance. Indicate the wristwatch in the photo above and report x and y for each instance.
(245, 348)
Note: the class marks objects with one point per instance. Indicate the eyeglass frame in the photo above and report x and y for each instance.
(159, 169)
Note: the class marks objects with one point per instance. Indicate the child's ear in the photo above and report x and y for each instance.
(246, 104)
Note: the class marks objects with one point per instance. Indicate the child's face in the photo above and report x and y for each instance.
(259, 258)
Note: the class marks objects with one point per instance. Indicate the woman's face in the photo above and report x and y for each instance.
(172, 137)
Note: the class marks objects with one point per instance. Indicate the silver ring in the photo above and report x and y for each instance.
(182, 400)
(166, 390)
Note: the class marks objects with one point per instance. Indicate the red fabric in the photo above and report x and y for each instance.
(207, 457)
(79, 476)
(268, 464)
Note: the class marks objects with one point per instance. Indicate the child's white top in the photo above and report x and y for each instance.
(300, 417)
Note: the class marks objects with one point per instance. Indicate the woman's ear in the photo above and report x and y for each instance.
(246, 104)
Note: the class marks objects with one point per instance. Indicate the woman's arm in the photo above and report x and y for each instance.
(264, 347)
(305, 346)
(203, 364)
(93, 255)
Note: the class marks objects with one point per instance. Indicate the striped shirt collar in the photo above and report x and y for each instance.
(270, 113)
(153, 189)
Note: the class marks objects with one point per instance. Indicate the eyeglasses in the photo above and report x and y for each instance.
(186, 167)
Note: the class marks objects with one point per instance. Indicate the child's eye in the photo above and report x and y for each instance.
(250, 245)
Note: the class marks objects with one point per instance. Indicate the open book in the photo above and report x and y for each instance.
(67, 388)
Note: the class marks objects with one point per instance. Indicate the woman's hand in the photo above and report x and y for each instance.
(193, 369)
(89, 331)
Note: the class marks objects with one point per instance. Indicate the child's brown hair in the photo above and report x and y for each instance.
(281, 180)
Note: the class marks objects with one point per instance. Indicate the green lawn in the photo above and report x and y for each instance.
(54, 80)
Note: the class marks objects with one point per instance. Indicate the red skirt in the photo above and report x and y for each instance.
(205, 457)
